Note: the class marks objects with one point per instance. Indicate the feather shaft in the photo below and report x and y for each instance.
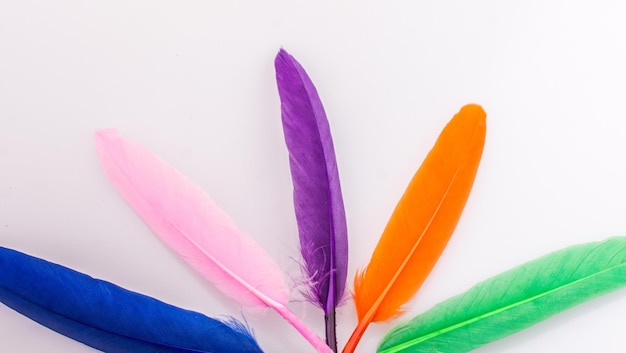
(317, 198)
(514, 300)
(422, 222)
(107, 317)
(189, 222)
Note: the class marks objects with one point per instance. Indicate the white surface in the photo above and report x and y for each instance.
(194, 82)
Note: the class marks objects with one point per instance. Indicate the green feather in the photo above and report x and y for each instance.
(514, 300)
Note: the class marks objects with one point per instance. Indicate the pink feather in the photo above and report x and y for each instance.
(189, 222)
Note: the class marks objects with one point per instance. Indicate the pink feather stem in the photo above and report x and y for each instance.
(189, 222)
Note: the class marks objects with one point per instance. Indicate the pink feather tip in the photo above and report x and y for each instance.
(190, 223)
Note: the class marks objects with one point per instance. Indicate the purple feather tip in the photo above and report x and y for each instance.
(317, 192)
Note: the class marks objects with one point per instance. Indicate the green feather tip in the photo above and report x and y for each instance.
(514, 300)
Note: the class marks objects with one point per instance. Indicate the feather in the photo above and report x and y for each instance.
(190, 223)
(317, 196)
(107, 317)
(422, 222)
(514, 300)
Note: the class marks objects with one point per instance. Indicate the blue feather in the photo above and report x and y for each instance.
(107, 317)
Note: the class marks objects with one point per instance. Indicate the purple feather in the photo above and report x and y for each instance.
(317, 192)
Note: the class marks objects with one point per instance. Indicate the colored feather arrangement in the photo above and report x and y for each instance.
(189, 222)
(422, 222)
(107, 317)
(317, 196)
(514, 300)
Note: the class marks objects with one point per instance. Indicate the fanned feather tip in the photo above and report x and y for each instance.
(107, 317)
(318, 202)
(514, 300)
(189, 222)
(422, 222)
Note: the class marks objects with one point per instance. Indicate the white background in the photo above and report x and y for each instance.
(194, 82)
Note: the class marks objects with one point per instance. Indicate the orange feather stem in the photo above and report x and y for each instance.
(422, 222)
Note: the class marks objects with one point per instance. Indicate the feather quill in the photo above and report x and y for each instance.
(514, 300)
(318, 202)
(189, 222)
(107, 317)
(422, 222)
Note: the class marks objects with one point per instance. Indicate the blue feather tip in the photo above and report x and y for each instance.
(110, 318)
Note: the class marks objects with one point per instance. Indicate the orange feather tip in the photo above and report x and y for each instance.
(423, 220)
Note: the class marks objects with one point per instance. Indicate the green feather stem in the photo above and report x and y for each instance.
(514, 300)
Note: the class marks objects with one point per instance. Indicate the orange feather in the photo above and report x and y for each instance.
(422, 222)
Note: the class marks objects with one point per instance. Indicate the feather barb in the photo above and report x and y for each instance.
(514, 300)
(422, 222)
(107, 317)
(189, 222)
(317, 198)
